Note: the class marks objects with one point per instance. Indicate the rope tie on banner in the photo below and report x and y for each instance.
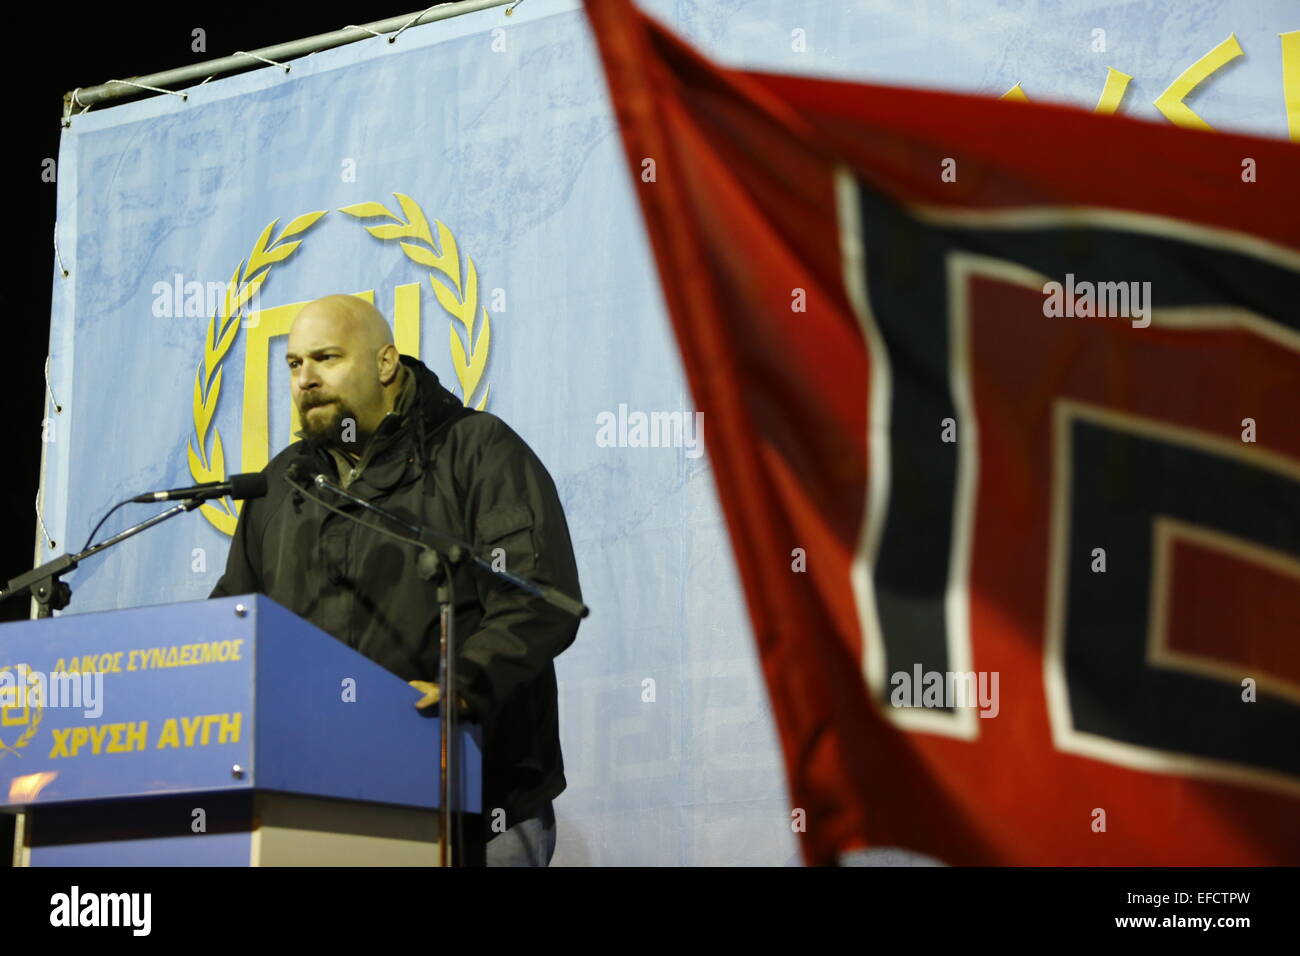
(142, 86)
(44, 530)
(58, 256)
(373, 33)
(411, 22)
(511, 9)
(58, 409)
(35, 504)
(67, 120)
(262, 58)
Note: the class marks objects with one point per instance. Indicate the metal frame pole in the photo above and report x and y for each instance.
(83, 98)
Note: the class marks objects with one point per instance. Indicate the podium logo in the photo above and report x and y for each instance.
(21, 707)
(25, 693)
(455, 286)
(103, 909)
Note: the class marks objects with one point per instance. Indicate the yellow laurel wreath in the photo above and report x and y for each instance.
(462, 303)
(243, 285)
(468, 358)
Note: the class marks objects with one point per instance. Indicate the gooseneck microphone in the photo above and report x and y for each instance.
(52, 595)
(251, 484)
(303, 470)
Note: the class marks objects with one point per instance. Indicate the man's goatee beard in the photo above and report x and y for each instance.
(330, 436)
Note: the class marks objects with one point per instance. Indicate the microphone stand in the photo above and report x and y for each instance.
(50, 593)
(430, 560)
(427, 566)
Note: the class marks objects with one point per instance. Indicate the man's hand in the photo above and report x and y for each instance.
(432, 694)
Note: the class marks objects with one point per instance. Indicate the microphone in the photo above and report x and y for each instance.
(248, 485)
(303, 469)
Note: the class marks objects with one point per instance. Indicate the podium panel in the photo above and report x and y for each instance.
(221, 732)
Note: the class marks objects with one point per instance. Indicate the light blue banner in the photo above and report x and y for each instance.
(500, 129)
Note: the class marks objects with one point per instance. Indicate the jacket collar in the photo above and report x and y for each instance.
(422, 410)
(438, 407)
(388, 426)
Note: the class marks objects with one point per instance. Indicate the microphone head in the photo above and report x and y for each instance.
(248, 485)
(302, 469)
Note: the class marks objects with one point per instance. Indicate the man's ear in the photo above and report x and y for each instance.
(390, 365)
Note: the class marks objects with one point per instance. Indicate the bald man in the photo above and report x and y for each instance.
(357, 375)
(382, 426)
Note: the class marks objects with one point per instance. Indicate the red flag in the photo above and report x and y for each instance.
(1002, 408)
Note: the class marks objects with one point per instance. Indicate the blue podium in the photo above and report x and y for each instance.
(225, 732)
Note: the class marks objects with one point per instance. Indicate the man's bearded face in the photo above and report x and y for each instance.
(334, 374)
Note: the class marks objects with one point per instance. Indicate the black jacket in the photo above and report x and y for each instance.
(467, 474)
